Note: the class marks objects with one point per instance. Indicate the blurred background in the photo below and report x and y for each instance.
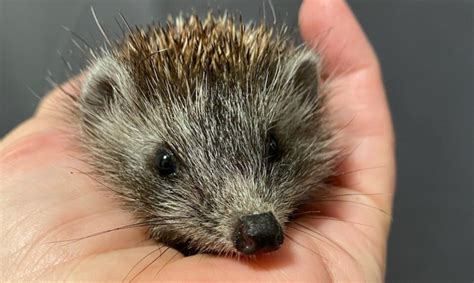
(426, 50)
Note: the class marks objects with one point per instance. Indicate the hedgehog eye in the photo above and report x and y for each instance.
(273, 150)
(165, 162)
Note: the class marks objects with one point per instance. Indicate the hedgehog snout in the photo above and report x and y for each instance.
(258, 233)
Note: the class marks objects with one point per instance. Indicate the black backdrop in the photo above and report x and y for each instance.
(426, 51)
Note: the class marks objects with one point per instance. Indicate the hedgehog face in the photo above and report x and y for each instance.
(214, 164)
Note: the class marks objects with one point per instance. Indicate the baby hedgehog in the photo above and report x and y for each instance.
(212, 132)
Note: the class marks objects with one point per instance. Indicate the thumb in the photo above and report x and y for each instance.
(51, 114)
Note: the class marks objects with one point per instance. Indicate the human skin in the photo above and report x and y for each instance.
(45, 197)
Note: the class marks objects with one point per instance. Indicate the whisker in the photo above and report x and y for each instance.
(306, 212)
(166, 263)
(340, 129)
(303, 246)
(355, 194)
(128, 226)
(141, 260)
(356, 171)
(95, 180)
(336, 219)
(345, 154)
(332, 242)
(149, 264)
(355, 202)
(321, 238)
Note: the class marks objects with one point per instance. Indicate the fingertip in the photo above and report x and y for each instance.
(52, 113)
(331, 28)
(60, 96)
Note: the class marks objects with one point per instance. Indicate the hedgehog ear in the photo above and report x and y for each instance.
(304, 74)
(105, 80)
(99, 92)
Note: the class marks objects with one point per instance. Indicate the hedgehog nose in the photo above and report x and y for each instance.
(258, 233)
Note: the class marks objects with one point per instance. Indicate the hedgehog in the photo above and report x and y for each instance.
(211, 132)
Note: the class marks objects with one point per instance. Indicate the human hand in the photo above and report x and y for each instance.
(44, 198)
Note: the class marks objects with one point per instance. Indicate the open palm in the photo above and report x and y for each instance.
(46, 196)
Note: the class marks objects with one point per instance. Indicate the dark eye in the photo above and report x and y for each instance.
(273, 150)
(165, 162)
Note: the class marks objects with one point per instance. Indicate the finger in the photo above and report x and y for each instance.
(345, 45)
(60, 99)
(331, 28)
(51, 114)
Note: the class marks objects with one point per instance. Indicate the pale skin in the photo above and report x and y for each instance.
(44, 197)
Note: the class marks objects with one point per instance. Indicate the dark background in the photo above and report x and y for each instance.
(426, 51)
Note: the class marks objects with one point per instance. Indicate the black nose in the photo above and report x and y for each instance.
(258, 233)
